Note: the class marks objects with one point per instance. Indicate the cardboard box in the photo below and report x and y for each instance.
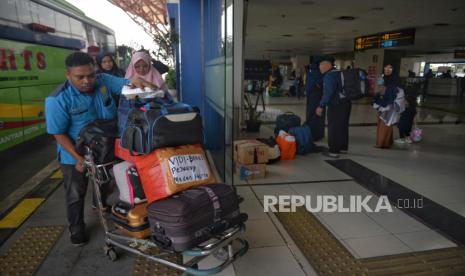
(250, 172)
(249, 152)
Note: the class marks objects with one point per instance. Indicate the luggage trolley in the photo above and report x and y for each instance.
(220, 246)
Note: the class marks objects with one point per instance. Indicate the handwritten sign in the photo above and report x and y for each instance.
(189, 168)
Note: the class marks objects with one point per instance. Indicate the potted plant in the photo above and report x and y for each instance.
(170, 81)
(252, 121)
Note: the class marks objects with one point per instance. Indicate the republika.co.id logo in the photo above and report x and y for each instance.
(332, 203)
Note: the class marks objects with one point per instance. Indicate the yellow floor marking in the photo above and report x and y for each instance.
(21, 212)
(57, 175)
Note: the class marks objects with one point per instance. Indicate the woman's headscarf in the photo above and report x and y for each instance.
(115, 71)
(393, 79)
(152, 76)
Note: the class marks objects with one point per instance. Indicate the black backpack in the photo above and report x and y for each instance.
(100, 137)
(354, 84)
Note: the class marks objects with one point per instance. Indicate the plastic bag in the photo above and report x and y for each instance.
(287, 145)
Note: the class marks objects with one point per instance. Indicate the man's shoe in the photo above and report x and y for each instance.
(78, 239)
(330, 154)
(343, 152)
(399, 141)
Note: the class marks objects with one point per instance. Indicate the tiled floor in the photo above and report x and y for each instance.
(417, 167)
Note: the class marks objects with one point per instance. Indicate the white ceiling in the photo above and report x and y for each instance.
(315, 29)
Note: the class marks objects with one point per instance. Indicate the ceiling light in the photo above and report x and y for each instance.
(307, 3)
(377, 9)
(346, 18)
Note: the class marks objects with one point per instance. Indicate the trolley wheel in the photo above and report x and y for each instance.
(110, 252)
(112, 255)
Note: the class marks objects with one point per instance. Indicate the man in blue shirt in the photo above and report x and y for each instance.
(83, 98)
(338, 109)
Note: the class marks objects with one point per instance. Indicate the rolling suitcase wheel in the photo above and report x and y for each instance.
(110, 252)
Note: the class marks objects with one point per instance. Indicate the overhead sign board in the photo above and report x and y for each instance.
(257, 69)
(459, 54)
(385, 40)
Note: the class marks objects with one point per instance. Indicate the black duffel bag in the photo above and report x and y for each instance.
(188, 218)
(167, 126)
(100, 137)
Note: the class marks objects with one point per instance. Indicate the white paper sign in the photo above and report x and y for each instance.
(188, 168)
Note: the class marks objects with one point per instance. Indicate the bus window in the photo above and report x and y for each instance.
(24, 11)
(111, 44)
(8, 12)
(46, 17)
(77, 29)
(35, 12)
(62, 23)
(91, 35)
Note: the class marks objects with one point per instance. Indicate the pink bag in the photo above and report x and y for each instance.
(416, 134)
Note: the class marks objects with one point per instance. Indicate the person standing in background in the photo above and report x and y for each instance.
(338, 109)
(314, 91)
(106, 64)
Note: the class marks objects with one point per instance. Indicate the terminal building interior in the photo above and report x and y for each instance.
(424, 181)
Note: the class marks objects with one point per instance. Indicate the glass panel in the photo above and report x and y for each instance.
(35, 12)
(46, 16)
(8, 11)
(24, 11)
(229, 92)
(214, 17)
(62, 23)
(77, 28)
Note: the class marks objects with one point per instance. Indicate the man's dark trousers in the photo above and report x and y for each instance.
(75, 190)
(338, 126)
(315, 122)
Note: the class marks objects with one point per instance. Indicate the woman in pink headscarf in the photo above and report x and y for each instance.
(141, 67)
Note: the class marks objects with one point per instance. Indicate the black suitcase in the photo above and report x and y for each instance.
(193, 216)
(286, 121)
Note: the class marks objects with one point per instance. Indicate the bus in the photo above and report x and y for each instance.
(35, 38)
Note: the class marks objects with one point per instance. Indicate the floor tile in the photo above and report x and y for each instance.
(269, 261)
(275, 190)
(426, 240)
(397, 222)
(377, 246)
(253, 208)
(352, 225)
(262, 233)
(245, 192)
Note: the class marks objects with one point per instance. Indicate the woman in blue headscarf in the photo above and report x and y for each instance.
(314, 90)
(389, 102)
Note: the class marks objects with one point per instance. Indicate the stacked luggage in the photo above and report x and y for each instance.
(177, 196)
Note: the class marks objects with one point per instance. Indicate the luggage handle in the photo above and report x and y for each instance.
(164, 108)
(289, 113)
(216, 203)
